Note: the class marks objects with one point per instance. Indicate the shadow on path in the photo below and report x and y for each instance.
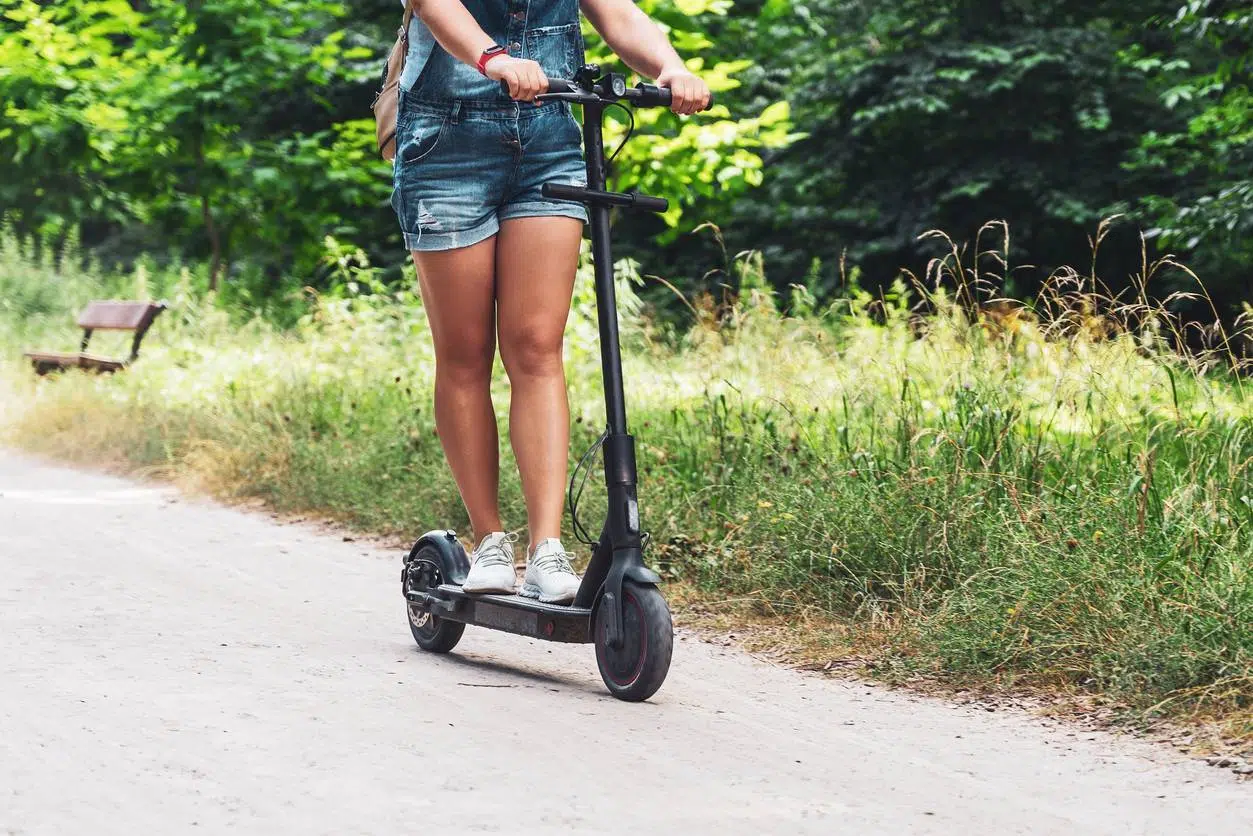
(473, 663)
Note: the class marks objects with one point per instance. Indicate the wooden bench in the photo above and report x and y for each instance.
(101, 316)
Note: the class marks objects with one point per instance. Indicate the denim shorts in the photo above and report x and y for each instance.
(464, 166)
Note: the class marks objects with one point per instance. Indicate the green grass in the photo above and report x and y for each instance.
(1021, 500)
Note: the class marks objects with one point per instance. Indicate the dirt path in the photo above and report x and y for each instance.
(173, 666)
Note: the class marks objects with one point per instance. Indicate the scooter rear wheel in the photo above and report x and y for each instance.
(431, 632)
(634, 671)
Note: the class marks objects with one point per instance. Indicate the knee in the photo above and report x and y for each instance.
(465, 365)
(531, 352)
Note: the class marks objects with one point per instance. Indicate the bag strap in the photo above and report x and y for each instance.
(402, 41)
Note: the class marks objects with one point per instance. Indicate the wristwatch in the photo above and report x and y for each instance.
(488, 54)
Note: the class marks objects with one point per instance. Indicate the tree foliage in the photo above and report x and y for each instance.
(1209, 157)
(946, 114)
(1049, 115)
(238, 133)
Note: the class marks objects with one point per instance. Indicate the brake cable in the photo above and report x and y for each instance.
(630, 128)
(572, 498)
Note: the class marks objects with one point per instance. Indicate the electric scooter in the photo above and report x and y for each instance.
(618, 607)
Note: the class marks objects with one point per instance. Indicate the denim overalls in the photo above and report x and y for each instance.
(469, 157)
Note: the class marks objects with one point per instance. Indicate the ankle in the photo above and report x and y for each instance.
(534, 544)
(489, 528)
(481, 534)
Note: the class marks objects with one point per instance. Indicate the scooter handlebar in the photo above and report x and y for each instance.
(641, 95)
(580, 194)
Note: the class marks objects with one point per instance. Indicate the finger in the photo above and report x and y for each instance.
(533, 77)
(510, 76)
(690, 99)
(683, 96)
(537, 83)
(676, 96)
(691, 93)
(698, 96)
(543, 80)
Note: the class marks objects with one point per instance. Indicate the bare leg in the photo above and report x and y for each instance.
(535, 263)
(458, 289)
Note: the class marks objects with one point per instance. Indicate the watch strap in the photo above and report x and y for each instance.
(488, 54)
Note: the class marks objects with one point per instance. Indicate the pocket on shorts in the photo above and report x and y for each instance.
(417, 134)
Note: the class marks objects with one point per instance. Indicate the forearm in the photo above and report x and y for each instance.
(454, 28)
(630, 33)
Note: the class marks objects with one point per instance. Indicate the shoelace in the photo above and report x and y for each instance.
(557, 562)
(493, 554)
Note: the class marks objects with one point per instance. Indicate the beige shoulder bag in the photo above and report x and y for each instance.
(387, 102)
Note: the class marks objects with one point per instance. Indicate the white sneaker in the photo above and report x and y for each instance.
(549, 576)
(491, 565)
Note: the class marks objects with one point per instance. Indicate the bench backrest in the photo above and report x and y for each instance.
(118, 316)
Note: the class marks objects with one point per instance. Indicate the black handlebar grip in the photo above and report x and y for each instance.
(563, 85)
(650, 95)
(667, 98)
(651, 204)
(562, 191)
(555, 85)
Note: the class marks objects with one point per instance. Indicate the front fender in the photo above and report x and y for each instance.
(641, 575)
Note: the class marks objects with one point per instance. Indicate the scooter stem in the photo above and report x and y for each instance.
(602, 260)
(618, 555)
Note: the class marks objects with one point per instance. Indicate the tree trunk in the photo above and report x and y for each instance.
(206, 214)
(215, 242)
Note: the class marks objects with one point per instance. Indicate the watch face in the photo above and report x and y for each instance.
(619, 85)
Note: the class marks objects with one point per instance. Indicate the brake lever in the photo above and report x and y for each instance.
(577, 98)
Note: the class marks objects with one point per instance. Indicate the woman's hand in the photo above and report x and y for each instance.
(688, 93)
(526, 79)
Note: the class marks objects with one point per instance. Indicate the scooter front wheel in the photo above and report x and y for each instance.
(635, 670)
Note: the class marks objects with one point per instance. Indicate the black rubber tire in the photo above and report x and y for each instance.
(440, 638)
(635, 671)
(433, 634)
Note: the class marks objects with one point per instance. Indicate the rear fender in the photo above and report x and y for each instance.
(446, 549)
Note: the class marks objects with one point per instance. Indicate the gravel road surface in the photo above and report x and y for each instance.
(169, 665)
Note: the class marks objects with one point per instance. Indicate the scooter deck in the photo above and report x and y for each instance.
(516, 614)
